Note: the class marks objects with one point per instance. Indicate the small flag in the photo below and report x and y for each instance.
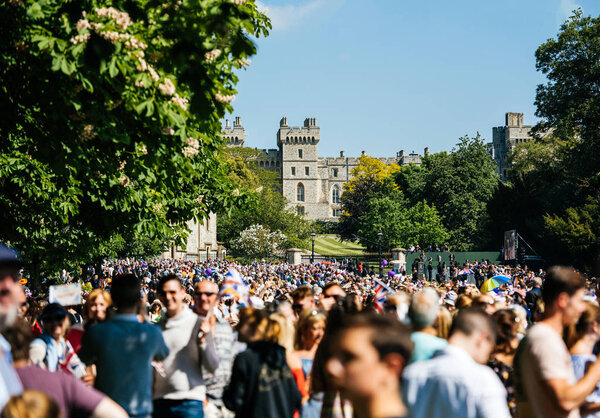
(381, 293)
(234, 286)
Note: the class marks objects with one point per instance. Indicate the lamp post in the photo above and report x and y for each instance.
(312, 254)
(380, 234)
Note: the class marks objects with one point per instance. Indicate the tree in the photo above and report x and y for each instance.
(265, 206)
(555, 180)
(401, 224)
(371, 178)
(111, 119)
(458, 184)
(259, 241)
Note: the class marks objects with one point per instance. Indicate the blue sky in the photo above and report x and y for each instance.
(386, 75)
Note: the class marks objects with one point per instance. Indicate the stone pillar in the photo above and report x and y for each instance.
(399, 258)
(294, 256)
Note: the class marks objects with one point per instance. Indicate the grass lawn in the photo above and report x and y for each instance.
(331, 245)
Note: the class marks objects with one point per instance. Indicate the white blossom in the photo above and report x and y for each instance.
(167, 87)
(189, 151)
(210, 56)
(224, 98)
(192, 142)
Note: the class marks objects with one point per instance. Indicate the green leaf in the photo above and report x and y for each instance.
(35, 11)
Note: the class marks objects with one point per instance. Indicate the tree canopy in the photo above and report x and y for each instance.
(111, 119)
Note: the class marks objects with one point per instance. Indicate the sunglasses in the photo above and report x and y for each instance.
(198, 294)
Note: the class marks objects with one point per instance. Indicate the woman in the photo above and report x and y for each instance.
(501, 360)
(95, 310)
(156, 311)
(310, 329)
(51, 350)
(261, 382)
(581, 340)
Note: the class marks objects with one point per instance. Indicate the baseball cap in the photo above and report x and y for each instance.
(9, 257)
(54, 310)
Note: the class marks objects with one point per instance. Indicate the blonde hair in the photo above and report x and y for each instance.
(307, 318)
(444, 322)
(262, 327)
(286, 336)
(577, 331)
(31, 404)
(93, 296)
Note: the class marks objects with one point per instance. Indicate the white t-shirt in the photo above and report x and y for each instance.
(542, 355)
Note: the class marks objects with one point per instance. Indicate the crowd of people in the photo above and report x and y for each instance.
(181, 338)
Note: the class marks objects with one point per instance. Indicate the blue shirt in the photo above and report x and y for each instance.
(581, 363)
(453, 385)
(425, 346)
(122, 350)
(9, 382)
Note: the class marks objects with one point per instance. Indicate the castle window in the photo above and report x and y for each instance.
(277, 164)
(293, 171)
(272, 163)
(335, 172)
(336, 213)
(262, 164)
(278, 171)
(335, 194)
(307, 171)
(300, 210)
(300, 193)
(299, 153)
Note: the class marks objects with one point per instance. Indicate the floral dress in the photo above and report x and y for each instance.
(505, 373)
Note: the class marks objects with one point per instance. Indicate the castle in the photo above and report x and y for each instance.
(312, 185)
(504, 138)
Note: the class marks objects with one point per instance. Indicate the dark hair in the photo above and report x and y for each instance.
(506, 328)
(126, 291)
(167, 278)
(387, 334)
(302, 292)
(561, 280)
(329, 285)
(470, 320)
(19, 336)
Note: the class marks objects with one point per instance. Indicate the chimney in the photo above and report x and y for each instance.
(426, 151)
(238, 121)
(342, 154)
(226, 123)
(283, 121)
(401, 153)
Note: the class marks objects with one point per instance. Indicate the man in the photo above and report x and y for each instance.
(304, 298)
(122, 350)
(181, 390)
(332, 292)
(368, 355)
(423, 312)
(206, 294)
(10, 291)
(532, 296)
(455, 382)
(545, 383)
(73, 397)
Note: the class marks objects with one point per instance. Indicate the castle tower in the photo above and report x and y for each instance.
(235, 135)
(300, 180)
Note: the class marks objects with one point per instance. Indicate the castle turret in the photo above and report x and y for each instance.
(235, 136)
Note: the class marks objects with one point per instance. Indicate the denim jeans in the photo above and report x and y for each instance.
(178, 408)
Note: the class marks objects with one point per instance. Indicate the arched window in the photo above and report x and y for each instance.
(272, 163)
(335, 194)
(300, 193)
(262, 164)
(277, 164)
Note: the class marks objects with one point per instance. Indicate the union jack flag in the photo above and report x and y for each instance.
(381, 293)
(234, 286)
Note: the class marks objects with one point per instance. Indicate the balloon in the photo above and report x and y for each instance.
(384, 263)
(208, 272)
(391, 273)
